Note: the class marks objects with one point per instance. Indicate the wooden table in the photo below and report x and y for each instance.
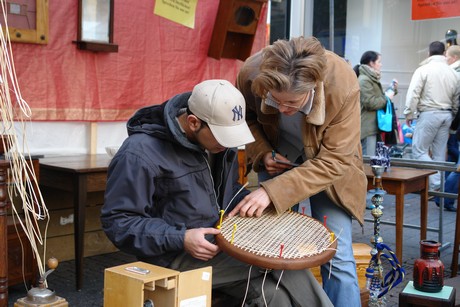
(410, 297)
(399, 181)
(80, 175)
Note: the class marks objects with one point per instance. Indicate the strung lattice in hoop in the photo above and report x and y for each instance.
(288, 241)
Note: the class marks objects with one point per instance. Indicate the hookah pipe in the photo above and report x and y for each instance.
(393, 277)
(376, 283)
(397, 273)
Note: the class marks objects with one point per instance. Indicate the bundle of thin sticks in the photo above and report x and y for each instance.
(27, 204)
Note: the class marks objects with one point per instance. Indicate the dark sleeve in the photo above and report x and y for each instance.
(455, 121)
(128, 214)
(452, 148)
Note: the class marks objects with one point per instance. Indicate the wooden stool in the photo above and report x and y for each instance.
(456, 240)
(410, 297)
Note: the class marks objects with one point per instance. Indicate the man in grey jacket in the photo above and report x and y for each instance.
(168, 182)
(433, 95)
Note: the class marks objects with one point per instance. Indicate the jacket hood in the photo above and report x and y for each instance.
(160, 121)
(370, 72)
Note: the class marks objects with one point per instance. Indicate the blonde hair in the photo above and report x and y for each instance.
(290, 66)
(454, 51)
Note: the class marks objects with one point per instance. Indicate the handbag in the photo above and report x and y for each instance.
(385, 117)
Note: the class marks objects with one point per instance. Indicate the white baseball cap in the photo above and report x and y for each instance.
(222, 107)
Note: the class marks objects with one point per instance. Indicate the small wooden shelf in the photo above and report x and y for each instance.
(96, 47)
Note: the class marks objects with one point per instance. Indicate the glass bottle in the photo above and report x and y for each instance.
(373, 284)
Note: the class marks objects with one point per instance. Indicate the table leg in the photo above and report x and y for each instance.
(399, 221)
(80, 188)
(424, 210)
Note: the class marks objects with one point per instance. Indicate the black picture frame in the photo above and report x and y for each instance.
(95, 26)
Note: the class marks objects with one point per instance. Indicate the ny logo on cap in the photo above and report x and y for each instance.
(237, 113)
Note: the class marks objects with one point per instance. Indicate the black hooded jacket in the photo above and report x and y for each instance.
(160, 184)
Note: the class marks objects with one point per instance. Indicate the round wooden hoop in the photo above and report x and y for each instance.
(275, 261)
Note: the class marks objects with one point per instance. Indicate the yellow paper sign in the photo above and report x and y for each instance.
(180, 11)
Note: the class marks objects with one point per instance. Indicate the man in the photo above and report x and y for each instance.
(451, 184)
(170, 179)
(433, 94)
(453, 57)
(303, 104)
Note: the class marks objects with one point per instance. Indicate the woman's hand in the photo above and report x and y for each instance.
(272, 167)
(395, 82)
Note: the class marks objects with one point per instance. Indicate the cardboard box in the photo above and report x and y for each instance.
(164, 287)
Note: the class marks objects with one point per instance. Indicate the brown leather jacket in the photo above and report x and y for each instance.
(331, 140)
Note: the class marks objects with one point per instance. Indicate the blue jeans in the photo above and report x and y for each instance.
(450, 186)
(342, 284)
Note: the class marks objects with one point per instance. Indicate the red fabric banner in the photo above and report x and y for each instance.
(156, 60)
(430, 9)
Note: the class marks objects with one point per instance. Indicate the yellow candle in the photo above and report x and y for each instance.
(221, 217)
(233, 233)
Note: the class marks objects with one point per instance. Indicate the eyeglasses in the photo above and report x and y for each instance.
(272, 102)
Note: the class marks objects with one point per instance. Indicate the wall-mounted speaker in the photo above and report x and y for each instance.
(235, 28)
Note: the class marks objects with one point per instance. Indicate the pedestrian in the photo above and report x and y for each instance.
(372, 98)
(432, 96)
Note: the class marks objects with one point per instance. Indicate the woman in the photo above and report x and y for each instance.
(303, 107)
(372, 98)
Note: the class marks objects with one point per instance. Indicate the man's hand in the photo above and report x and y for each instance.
(196, 245)
(253, 204)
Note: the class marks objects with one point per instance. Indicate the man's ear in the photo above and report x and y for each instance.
(193, 122)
